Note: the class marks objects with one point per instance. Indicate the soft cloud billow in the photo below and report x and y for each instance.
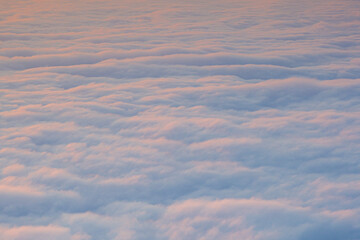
(167, 120)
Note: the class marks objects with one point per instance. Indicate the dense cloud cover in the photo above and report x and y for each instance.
(180, 120)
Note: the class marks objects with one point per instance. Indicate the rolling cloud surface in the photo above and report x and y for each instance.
(171, 120)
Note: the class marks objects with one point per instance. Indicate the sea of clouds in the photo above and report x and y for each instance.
(180, 120)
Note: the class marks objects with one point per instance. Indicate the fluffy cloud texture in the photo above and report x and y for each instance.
(170, 120)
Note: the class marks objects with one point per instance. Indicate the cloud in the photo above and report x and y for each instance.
(229, 218)
(38, 232)
(179, 120)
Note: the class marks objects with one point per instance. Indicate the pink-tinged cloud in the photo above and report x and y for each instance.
(35, 232)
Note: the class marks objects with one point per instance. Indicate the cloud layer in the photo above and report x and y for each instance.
(179, 120)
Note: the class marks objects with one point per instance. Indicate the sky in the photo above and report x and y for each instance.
(173, 120)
